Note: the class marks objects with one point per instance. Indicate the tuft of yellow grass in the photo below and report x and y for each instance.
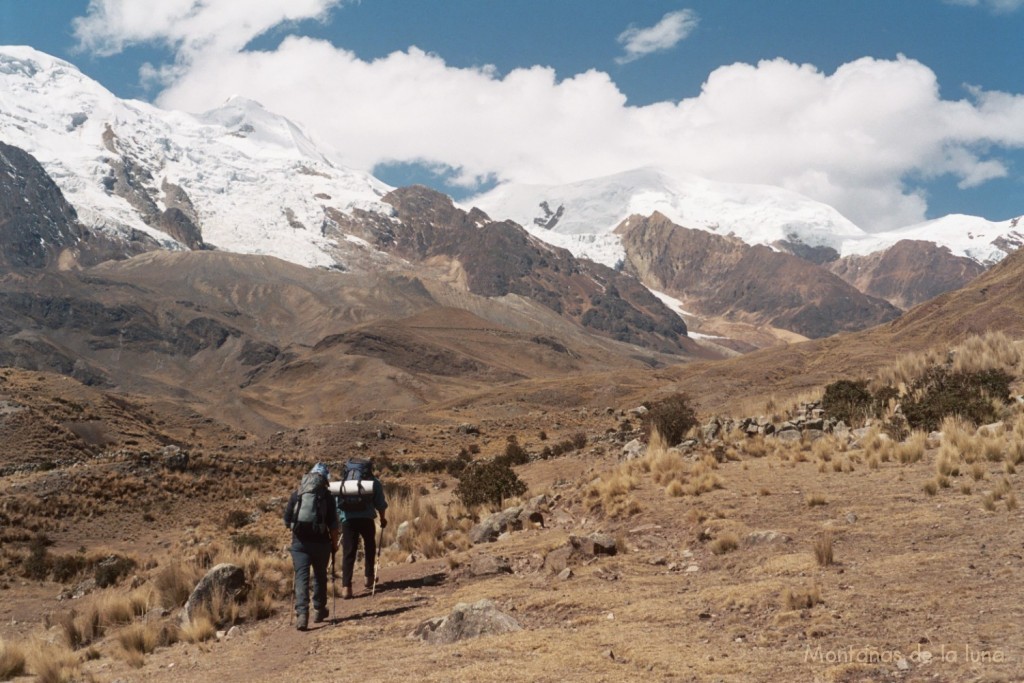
(802, 598)
(725, 543)
(12, 661)
(200, 629)
(815, 500)
(823, 551)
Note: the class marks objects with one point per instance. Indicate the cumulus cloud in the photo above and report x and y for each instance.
(666, 34)
(850, 138)
(188, 25)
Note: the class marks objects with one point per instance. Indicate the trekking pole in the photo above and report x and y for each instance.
(376, 570)
(334, 585)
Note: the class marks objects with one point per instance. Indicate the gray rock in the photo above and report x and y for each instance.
(767, 537)
(489, 565)
(634, 449)
(790, 434)
(481, 618)
(225, 579)
(495, 524)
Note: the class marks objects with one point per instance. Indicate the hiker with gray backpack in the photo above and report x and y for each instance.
(360, 498)
(312, 515)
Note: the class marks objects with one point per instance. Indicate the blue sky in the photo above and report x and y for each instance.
(890, 110)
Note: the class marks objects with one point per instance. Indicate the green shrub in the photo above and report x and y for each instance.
(848, 400)
(672, 417)
(488, 482)
(112, 569)
(939, 393)
(236, 519)
(255, 541)
(37, 564)
(66, 568)
(514, 453)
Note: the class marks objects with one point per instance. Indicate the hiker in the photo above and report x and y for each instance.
(360, 500)
(312, 515)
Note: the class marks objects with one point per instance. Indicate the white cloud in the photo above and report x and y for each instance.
(189, 25)
(666, 34)
(998, 6)
(849, 138)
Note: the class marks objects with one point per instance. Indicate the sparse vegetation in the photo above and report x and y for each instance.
(488, 482)
(672, 417)
(823, 552)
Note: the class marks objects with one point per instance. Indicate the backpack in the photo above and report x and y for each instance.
(356, 490)
(309, 516)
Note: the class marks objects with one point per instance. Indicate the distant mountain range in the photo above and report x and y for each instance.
(627, 257)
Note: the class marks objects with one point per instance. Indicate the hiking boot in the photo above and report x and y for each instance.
(302, 621)
(369, 584)
(346, 593)
(320, 615)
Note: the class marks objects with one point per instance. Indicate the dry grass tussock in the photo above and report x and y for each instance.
(433, 530)
(201, 628)
(992, 351)
(823, 548)
(802, 598)
(668, 468)
(51, 663)
(12, 660)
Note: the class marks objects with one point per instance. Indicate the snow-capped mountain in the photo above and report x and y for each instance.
(248, 180)
(582, 217)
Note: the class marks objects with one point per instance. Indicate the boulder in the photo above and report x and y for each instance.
(481, 618)
(495, 524)
(634, 449)
(489, 565)
(227, 580)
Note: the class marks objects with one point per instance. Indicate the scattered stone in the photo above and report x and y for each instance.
(233, 632)
(224, 579)
(902, 664)
(467, 428)
(692, 568)
(466, 621)
(489, 565)
(767, 537)
(633, 450)
(851, 518)
(565, 574)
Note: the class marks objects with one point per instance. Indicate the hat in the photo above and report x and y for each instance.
(322, 470)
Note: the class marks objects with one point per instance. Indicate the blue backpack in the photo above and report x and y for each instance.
(356, 492)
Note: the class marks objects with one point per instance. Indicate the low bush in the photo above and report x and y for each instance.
(939, 393)
(236, 519)
(488, 482)
(673, 417)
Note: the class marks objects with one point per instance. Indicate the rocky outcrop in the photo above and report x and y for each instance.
(225, 581)
(723, 276)
(908, 273)
(481, 618)
(134, 182)
(500, 258)
(36, 223)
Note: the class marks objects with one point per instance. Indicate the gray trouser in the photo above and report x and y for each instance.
(306, 554)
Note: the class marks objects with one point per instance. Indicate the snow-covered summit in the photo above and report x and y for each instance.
(256, 181)
(581, 216)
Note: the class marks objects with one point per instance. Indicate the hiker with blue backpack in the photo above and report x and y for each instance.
(312, 515)
(360, 498)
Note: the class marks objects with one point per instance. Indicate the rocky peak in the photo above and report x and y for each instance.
(36, 223)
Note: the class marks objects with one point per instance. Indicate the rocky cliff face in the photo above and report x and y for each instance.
(36, 224)
(908, 273)
(495, 259)
(40, 229)
(722, 276)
